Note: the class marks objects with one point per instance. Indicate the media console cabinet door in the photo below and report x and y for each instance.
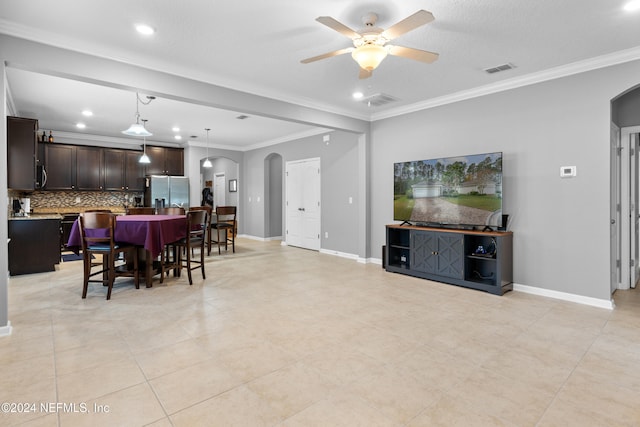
(437, 253)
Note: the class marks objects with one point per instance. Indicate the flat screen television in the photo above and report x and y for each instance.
(463, 191)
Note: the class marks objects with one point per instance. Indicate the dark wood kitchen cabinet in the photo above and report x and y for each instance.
(60, 166)
(34, 246)
(122, 170)
(165, 161)
(22, 145)
(89, 168)
(133, 171)
(113, 171)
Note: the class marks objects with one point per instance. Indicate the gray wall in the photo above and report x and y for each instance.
(561, 226)
(339, 181)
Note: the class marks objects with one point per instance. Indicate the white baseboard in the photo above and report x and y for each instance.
(6, 330)
(260, 239)
(594, 302)
(340, 254)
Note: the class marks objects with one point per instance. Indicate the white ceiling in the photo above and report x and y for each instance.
(256, 46)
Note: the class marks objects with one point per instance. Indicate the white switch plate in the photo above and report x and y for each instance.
(568, 171)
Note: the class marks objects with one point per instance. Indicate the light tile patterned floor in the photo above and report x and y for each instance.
(278, 336)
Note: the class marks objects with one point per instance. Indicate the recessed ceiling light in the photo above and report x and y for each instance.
(81, 125)
(178, 137)
(87, 113)
(145, 29)
(633, 5)
(175, 129)
(357, 95)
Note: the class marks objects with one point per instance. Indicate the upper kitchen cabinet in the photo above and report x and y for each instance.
(122, 171)
(165, 161)
(60, 166)
(89, 168)
(22, 146)
(133, 171)
(114, 165)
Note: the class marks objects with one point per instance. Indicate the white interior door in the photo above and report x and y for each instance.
(628, 208)
(615, 235)
(303, 203)
(219, 190)
(635, 213)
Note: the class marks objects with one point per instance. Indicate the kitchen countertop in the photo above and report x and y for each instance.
(35, 217)
(76, 209)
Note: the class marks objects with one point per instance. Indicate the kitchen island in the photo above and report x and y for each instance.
(34, 245)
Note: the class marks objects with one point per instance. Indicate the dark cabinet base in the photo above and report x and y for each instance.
(34, 245)
(452, 256)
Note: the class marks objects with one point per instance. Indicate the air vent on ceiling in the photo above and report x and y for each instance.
(242, 117)
(503, 67)
(378, 99)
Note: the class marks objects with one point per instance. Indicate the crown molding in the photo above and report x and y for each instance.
(578, 67)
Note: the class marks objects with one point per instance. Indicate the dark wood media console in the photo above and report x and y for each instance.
(452, 256)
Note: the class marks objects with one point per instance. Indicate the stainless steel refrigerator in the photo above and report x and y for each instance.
(166, 191)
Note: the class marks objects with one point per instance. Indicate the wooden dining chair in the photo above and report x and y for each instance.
(97, 231)
(226, 223)
(194, 239)
(209, 210)
(140, 211)
(174, 210)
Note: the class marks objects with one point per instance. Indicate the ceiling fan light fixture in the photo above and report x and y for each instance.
(369, 56)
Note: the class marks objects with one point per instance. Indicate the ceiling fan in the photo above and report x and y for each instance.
(370, 44)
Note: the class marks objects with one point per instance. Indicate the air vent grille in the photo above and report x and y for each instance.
(499, 68)
(242, 117)
(378, 99)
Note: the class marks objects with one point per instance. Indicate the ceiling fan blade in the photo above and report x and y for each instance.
(412, 22)
(328, 55)
(364, 74)
(415, 54)
(338, 26)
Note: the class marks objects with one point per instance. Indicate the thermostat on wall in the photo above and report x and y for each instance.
(567, 171)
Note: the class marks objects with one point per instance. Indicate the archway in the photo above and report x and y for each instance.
(222, 169)
(625, 214)
(273, 196)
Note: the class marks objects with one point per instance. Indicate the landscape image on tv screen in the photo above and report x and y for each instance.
(465, 190)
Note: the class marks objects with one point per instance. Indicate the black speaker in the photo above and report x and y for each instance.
(505, 220)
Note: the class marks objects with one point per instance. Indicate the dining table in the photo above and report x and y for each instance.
(151, 232)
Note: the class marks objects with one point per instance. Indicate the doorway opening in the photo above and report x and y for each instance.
(625, 190)
(273, 196)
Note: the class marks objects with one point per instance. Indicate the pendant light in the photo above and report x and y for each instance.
(207, 162)
(144, 158)
(137, 129)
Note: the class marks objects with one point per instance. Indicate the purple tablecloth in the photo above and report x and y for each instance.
(150, 231)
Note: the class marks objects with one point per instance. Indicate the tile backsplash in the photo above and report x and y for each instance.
(61, 201)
